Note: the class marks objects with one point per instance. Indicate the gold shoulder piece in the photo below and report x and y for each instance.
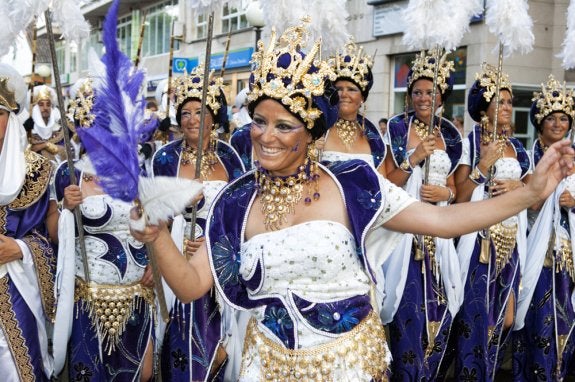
(38, 172)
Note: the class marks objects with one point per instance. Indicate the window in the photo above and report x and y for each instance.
(94, 41)
(124, 35)
(455, 104)
(159, 29)
(201, 26)
(234, 18)
(523, 129)
(61, 56)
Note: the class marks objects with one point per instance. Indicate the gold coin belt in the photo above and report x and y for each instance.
(363, 348)
(347, 131)
(503, 239)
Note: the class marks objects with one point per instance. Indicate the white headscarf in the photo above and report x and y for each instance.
(12, 160)
(43, 129)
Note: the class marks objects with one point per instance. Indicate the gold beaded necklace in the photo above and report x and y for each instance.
(279, 195)
(421, 129)
(209, 159)
(347, 131)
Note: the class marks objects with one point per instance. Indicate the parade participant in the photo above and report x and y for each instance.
(26, 258)
(45, 125)
(490, 262)
(355, 137)
(425, 291)
(299, 245)
(240, 139)
(190, 344)
(543, 349)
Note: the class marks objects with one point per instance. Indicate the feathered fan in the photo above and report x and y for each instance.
(112, 140)
(568, 51)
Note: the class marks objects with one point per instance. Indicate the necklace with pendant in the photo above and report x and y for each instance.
(209, 159)
(347, 131)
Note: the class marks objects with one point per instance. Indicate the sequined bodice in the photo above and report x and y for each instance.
(439, 167)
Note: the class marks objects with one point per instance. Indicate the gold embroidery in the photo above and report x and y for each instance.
(38, 171)
(111, 306)
(44, 261)
(564, 258)
(3, 216)
(364, 348)
(14, 336)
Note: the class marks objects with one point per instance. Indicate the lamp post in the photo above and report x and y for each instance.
(255, 17)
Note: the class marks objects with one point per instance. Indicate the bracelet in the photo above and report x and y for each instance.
(405, 166)
(476, 176)
(451, 196)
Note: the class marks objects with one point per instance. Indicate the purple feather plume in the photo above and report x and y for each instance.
(112, 140)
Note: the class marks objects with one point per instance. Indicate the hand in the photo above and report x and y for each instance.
(165, 125)
(72, 197)
(148, 234)
(489, 154)
(147, 279)
(433, 194)
(29, 124)
(501, 186)
(566, 200)
(190, 247)
(9, 250)
(424, 149)
(556, 164)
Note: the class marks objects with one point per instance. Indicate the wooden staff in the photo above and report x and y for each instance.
(225, 59)
(202, 118)
(140, 41)
(34, 48)
(68, 146)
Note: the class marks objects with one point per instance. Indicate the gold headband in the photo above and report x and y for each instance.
(43, 94)
(424, 67)
(7, 97)
(357, 68)
(488, 79)
(190, 86)
(553, 97)
(296, 85)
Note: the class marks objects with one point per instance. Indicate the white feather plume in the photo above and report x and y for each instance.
(568, 51)
(68, 15)
(328, 20)
(16, 15)
(163, 197)
(198, 7)
(509, 20)
(460, 15)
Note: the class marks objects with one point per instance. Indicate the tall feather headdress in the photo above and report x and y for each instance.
(568, 51)
(509, 20)
(112, 139)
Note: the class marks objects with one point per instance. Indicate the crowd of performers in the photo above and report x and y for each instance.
(320, 248)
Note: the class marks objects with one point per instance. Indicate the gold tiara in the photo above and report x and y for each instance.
(81, 106)
(553, 97)
(488, 79)
(7, 96)
(353, 63)
(288, 76)
(190, 86)
(43, 93)
(424, 67)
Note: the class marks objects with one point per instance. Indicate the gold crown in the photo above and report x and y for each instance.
(488, 80)
(357, 67)
(190, 86)
(7, 97)
(295, 85)
(424, 67)
(553, 97)
(81, 106)
(43, 93)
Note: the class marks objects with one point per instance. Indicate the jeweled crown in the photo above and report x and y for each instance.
(424, 67)
(81, 106)
(488, 79)
(553, 97)
(7, 96)
(353, 63)
(190, 86)
(287, 75)
(43, 93)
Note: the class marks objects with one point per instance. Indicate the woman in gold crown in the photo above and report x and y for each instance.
(190, 344)
(299, 246)
(543, 342)
(490, 261)
(353, 136)
(425, 290)
(26, 257)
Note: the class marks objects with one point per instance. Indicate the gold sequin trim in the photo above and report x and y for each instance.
(362, 348)
(111, 306)
(44, 261)
(38, 171)
(3, 216)
(14, 336)
(503, 239)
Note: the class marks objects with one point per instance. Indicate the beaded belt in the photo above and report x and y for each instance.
(504, 238)
(111, 306)
(562, 257)
(362, 349)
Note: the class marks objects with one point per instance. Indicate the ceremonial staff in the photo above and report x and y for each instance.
(34, 48)
(141, 41)
(225, 59)
(73, 180)
(202, 118)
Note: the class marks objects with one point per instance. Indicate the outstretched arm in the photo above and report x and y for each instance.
(188, 279)
(462, 218)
